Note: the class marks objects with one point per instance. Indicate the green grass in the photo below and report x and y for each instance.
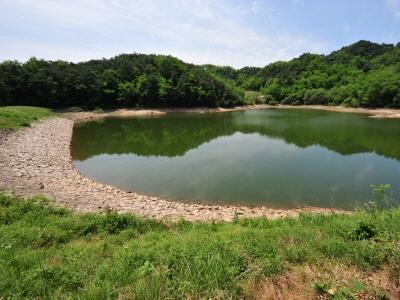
(14, 117)
(48, 252)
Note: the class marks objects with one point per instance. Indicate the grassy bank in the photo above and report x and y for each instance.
(14, 117)
(47, 252)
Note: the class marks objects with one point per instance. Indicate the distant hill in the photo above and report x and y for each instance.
(365, 49)
(134, 80)
(361, 74)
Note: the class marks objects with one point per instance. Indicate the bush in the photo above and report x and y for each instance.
(273, 103)
(297, 103)
(381, 198)
(268, 98)
(316, 96)
(252, 97)
(286, 101)
(351, 101)
(98, 110)
(364, 231)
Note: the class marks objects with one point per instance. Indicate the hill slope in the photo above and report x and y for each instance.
(362, 74)
(125, 80)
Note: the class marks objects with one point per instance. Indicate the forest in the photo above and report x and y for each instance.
(363, 74)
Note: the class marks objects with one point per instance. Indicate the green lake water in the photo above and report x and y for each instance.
(273, 157)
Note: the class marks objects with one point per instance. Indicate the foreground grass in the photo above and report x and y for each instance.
(47, 252)
(14, 117)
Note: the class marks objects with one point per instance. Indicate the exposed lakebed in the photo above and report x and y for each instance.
(274, 157)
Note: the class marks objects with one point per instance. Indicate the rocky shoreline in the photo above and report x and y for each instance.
(37, 160)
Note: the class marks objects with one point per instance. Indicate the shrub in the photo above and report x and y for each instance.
(273, 103)
(351, 101)
(364, 231)
(381, 198)
(268, 98)
(252, 97)
(297, 103)
(316, 96)
(286, 101)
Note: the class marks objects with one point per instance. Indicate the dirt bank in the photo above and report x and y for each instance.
(125, 112)
(389, 113)
(89, 115)
(37, 160)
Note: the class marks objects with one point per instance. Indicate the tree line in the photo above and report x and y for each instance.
(133, 80)
(362, 74)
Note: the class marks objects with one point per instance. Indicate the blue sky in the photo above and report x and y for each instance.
(223, 32)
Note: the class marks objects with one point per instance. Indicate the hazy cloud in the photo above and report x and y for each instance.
(224, 32)
(196, 31)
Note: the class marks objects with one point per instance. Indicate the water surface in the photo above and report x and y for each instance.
(275, 157)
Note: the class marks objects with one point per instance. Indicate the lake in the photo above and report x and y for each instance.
(273, 157)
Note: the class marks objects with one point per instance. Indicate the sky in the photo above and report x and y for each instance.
(222, 32)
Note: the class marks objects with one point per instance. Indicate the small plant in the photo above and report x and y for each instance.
(146, 269)
(341, 293)
(251, 97)
(351, 102)
(297, 103)
(98, 110)
(213, 225)
(273, 102)
(235, 218)
(364, 231)
(381, 198)
(321, 288)
(114, 222)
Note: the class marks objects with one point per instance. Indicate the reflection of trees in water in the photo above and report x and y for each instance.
(175, 134)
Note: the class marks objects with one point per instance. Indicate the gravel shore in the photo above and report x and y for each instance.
(37, 160)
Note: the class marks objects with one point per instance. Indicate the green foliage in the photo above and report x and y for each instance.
(252, 98)
(351, 101)
(125, 80)
(273, 103)
(13, 117)
(363, 231)
(342, 293)
(381, 198)
(362, 74)
(48, 252)
(316, 96)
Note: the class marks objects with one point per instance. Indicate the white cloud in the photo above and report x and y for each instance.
(196, 31)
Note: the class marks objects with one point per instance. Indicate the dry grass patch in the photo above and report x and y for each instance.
(329, 281)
